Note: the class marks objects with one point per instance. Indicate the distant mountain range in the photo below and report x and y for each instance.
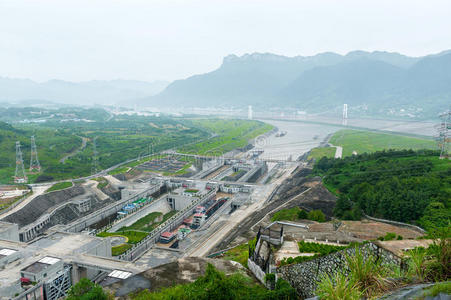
(371, 83)
(374, 83)
(110, 92)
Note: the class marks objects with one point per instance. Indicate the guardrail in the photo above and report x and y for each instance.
(413, 227)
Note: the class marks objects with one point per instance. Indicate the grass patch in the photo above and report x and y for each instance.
(323, 249)
(118, 250)
(165, 218)
(367, 141)
(102, 182)
(442, 287)
(132, 235)
(289, 214)
(239, 254)
(60, 186)
(317, 153)
(308, 247)
(119, 170)
(295, 213)
(144, 222)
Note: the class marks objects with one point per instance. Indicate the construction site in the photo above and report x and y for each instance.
(142, 223)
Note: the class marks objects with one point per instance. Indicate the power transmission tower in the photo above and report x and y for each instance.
(94, 158)
(444, 137)
(19, 176)
(34, 161)
(345, 114)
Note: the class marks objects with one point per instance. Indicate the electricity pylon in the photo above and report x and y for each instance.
(94, 158)
(444, 137)
(19, 176)
(34, 161)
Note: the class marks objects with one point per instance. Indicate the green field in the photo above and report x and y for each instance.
(367, 141)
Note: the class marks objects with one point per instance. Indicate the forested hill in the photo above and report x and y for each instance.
(406, 186)
(376, 83)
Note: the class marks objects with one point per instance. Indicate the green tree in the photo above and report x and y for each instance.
(85, 289)
(343, 205)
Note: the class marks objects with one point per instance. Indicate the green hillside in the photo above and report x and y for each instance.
(407, 186)
(66, 148)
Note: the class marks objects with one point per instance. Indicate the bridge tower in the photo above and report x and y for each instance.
(19, 176)
(34, 161)
(345, 115)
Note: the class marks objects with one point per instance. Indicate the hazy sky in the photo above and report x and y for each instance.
(152, 39)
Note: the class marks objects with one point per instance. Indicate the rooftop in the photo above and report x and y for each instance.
(41, 265)
(167, 234)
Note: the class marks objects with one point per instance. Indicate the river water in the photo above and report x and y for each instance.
(301, 137)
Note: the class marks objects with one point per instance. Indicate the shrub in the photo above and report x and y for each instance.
(216, 285)
(302, 214)
(85, 289)
(323, 249)
(317, 215)
(289, 214)
(270, 277)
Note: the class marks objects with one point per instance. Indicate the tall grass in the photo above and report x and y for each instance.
(337, 287)
(416, 263)
(367, 273)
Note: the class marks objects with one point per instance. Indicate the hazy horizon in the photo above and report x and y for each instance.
(168, 40)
